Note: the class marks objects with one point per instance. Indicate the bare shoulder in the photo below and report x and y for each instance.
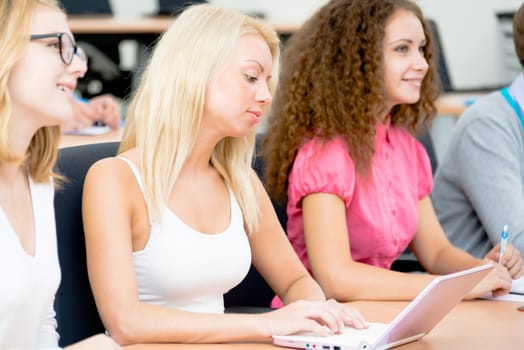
(111, 169)
(111, 166)
(112, 176)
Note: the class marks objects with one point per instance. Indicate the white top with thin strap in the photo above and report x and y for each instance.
(188, 270)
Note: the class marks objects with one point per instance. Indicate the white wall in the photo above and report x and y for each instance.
(471, 42)
(288, 11)
(133, 8)
(468, 30)
(277, 11)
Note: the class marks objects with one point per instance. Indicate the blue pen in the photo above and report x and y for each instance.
(503, 242)
(80, 98)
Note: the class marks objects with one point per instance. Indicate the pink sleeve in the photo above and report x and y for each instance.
(322, 166)
(425, 176)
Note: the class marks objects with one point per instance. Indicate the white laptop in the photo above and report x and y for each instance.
(414, 322)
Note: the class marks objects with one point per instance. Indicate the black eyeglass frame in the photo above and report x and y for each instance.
(75, 49)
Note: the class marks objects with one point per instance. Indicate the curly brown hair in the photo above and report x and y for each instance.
(518, 34)
(331, 83)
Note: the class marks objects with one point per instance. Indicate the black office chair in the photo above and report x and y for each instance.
(252, 295)
(76, 312)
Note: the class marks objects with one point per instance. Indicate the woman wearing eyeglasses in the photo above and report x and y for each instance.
(39, 68)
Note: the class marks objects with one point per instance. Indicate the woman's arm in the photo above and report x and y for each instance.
(112, 200)
(99, 342)
(432, 247)
(495, 192)
(329, 253)
(439, 256)
(275, 259)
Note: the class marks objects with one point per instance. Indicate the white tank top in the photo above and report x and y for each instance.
(188, 270)
(28, 283)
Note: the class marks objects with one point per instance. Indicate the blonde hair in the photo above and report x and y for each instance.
(41, 155)
(165, 114)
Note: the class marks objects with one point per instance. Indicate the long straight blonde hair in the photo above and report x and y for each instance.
(41, 155)
(165, 115)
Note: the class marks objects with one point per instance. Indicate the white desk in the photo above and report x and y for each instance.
(76, 140)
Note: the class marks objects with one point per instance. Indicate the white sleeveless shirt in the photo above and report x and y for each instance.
(188, 270)
(29, 283)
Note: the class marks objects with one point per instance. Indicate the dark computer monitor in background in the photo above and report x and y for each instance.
(173, 7)
(103, 53)
(443, 71)
(88, 8)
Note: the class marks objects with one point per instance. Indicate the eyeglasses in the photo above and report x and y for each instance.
(68, 49)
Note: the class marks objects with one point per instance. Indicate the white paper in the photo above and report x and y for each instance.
(518, 286)
(90, 130)
(516, 293)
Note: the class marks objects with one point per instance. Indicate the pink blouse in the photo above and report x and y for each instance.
(382, 214)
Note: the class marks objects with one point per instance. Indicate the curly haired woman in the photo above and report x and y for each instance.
(356, 81)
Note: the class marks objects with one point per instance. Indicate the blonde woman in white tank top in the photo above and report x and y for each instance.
(39, 69)
(174, 221)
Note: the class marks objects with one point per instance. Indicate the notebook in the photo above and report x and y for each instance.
(414, 322)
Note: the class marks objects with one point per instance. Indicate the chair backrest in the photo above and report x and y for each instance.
(76, 312)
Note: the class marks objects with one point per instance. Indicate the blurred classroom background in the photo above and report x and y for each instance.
(470, 30)
(477, 53)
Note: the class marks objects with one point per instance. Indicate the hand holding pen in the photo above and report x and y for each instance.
(507, 255)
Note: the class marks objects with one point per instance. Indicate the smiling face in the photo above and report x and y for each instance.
(404, 62)
(40, 84)
(238, 93)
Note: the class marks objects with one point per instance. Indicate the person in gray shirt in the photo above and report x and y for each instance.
(479, 185)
